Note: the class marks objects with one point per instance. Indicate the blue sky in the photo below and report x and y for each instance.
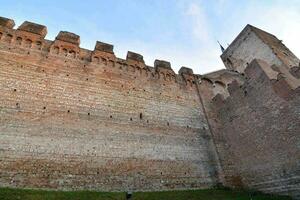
(183, 32)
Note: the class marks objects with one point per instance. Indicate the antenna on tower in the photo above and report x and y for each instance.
(222, 48)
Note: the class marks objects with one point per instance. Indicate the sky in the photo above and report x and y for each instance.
(183, 32)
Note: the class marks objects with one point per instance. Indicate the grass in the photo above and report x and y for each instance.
(209, 194)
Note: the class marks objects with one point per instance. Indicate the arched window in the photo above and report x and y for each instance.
(8, 38)
(125, 66)
(119, 65)
(56, 50)
(144, 71)
(19, 41)
(162, 76)
(96, 59)
(72, 54)
(38, 45)
(28, 43)
(104, 60)
(139, 71)
(132, 68)
(168, 77)
(207, 80)
(220, 83)
(173, 78)
(189, 83)
(111, 63)
(65, 52)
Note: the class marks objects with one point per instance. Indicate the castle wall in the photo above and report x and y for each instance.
(256, 130)
(71, 118)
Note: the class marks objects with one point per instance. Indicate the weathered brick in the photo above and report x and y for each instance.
(72, 118)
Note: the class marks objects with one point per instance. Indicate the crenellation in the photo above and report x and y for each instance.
(7, 23)
(34, 28)
(134, 56)
(162, 65)
(218, 82)
(283, 82)
(164, 71)
(66, 44)
(68, 37)
(30, 35)
(185, 70)
(260, 106)
(101, 46)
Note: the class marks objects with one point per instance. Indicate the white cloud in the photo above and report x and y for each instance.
(279, 18)
(202, 52)
(283, 23)
(201, 22)
(204, 56)
(198, 21)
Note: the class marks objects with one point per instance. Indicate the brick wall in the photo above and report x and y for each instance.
(71, 118)
(256, 130)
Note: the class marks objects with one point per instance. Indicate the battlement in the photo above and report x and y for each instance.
(280, 80)
(7, 23)
(67, 44)
(33, 28)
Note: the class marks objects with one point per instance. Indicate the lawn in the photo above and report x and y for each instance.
(209, 194)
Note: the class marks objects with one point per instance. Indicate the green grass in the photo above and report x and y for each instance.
(209, 194)
(26, 194)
